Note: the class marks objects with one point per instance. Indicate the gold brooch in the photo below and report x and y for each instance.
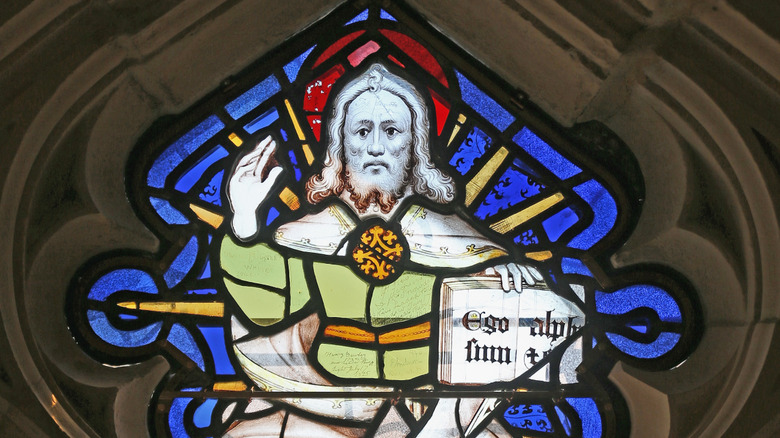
(378, 252)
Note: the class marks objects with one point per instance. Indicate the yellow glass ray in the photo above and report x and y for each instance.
(455, 130)
(307, 153)
(290, 198)
(235, 139)
(297, 126)
(230, 386)
(539, 256)
(209, 217)
(510, 223)
(477, 184)
(216, 309)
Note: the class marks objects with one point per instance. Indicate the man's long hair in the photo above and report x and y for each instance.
(422, 176)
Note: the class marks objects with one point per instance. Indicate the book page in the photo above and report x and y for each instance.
(488, 335)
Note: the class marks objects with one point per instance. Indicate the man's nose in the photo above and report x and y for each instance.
(376, 148)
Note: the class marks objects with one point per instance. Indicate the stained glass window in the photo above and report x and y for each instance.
(365, 234)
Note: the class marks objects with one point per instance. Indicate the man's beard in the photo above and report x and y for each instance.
(363, 193)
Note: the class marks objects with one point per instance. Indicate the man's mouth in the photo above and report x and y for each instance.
(375, 164)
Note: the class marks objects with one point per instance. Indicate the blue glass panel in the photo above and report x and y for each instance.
(284, 134)
(206, 270)
(527, 238)
(639, 326)
(363, 16)
(665, 342)
(385, 16)
(181, 149)
(202, 416)
(512, 188)
(121, 338)
(215, 337)
(211, 193)
(558, 223)
(273, 213)
(124, 317)
(181, 338)
(253, 97)
(604, 214)
(202, 292)
(564, 420)
(484, 104)
(589, 414)
(473, 147)
(294, 162)
(185, 183)
(574, 266)
(167, 212)
(642, 295)
(545, 154)
(529, 417)
(182, 264)
(294, 66)
(262, 121)
(176, 417)
(122, 279)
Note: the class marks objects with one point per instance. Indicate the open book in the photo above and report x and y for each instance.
(487, 335)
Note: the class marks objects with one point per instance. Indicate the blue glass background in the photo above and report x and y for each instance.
(176, 417)
(604, 214)
(167, 212)
(253, 97)
(182, 264)
(473, 147)
(99, 323)
(186, 181)
(181, 149)
(545, 154)
(662, 345)
(294, 66)
(558, 223)
(215, 337)
(181, 338)
(589, 414)
(122, 279)
(385, 15)
(642, 295)
(212, 192)
(363, 16)
(202, 416)
(262, 121)
(574, 266)
(528, 417)
(513, 187)
(485, 105)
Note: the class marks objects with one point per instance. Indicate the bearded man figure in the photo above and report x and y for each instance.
(378, 159)
(342, 299)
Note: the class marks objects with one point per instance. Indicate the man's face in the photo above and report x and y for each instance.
(377, 142)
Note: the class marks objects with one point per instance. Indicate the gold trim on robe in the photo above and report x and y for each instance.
(439, 240)
(319, 233)
(435, 240)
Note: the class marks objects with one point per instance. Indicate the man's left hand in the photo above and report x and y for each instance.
(519, 273)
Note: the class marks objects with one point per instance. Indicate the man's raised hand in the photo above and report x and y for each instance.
(249, 187)
(519, 273)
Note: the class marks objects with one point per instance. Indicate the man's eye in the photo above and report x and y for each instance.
(362, 132)
(391, 131)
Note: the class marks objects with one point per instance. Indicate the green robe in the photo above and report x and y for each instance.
(378, 326)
